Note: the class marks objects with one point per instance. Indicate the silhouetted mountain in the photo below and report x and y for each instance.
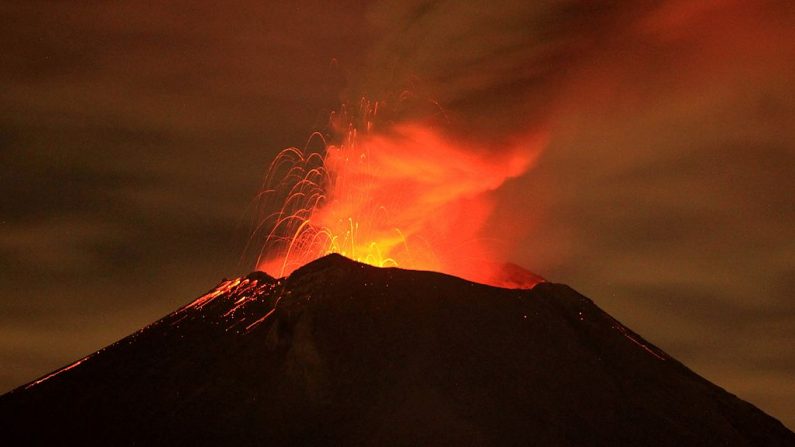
(347, 354)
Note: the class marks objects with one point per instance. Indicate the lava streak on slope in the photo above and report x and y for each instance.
(406, 195)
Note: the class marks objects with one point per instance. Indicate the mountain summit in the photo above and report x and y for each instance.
(348, 354)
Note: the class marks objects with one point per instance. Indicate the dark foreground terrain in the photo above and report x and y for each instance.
(346, 354)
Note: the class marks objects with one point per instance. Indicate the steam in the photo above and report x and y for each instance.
(523, 85)
(584, 73)
(405, 195)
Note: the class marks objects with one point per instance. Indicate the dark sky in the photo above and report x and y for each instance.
(134, 136)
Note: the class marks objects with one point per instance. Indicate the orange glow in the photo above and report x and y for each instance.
(407, 196)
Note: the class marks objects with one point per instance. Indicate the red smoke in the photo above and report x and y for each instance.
(407, 196)
(413, 195)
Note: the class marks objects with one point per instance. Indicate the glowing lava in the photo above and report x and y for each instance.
(406, 196)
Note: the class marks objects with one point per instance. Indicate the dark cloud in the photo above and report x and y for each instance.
(663, 192)
(133, 138)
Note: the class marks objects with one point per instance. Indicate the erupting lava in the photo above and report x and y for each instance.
(404, 196)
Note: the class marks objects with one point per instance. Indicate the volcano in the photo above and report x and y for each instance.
(348, 354)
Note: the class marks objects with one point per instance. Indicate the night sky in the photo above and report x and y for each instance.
(134, 137)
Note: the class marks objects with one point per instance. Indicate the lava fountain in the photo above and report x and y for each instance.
(405, 195)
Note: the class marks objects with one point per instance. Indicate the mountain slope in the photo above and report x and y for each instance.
(345, 353)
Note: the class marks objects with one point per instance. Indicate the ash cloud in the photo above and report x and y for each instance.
(663, 191)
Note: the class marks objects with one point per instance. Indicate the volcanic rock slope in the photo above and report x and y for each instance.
(347, 354)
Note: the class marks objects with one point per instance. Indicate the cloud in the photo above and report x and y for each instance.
(664, 190)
